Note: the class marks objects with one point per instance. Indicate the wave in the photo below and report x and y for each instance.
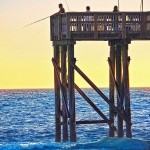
(104, 144)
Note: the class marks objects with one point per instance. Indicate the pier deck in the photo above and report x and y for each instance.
(100, 26)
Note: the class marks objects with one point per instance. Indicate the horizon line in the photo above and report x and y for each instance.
(53, 88)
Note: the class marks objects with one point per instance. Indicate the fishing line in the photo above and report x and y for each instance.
(67, 5)
(45, 17)
(36, 21)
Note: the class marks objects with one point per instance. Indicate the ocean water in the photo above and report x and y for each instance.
(27, 121)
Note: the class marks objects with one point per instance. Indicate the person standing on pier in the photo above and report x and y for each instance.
(115, 19)
(87, 19)
(62, 20)
(61, 9)
(116, 9)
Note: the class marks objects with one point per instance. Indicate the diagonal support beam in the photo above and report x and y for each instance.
(115, 82)
(101, 94)
(91, 103)
(61, 86)
(94, 106)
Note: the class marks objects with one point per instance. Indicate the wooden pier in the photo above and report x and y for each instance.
(119, 29)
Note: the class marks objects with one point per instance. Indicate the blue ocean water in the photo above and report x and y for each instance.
(27, 121)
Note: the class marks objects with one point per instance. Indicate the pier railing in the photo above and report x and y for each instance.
(100, 25)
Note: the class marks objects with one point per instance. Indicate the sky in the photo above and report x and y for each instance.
(26, 53)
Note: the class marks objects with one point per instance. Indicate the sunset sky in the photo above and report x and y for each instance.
(25, 53)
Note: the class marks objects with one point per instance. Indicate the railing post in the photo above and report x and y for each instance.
(51, 28)
(57, 98)
(64, 86)
(71, 60)
(105, 23)
(68, 26)
(59, 24)
(143, 25)
(95, 27)
(123, 25)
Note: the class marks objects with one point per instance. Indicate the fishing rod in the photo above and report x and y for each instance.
(44, 18)
(36, 21)
(142, 5)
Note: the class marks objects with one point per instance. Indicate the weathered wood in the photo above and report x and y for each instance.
(57, 98)
(69, 27)
(114, 80)
(71, 60)
(90, 122)
(60, 84)
(101, 94)
(119, 80)
(64, 42)
(64, 86)
(95, 27)
(130, 24)
(92, 104)
(126, 88)
(111, 87)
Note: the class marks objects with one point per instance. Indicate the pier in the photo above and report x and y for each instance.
(119, 29)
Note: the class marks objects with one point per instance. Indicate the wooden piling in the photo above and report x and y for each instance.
(111, 87)
(64, 97)
(119, 82)
(57, 98)
(71, 60)
(126, 88)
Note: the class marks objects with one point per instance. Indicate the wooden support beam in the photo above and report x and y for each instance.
(63, 42)
(119, 80)
(90, 122)
(71, 60)
(111, 62)
(113, 78)
(57, 98)
(64, 98)
(101, 94)
(64, 101)
(125, 60)
(94, 106)
(60, 84)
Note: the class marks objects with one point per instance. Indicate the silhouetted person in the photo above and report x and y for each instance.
(61, 20)
(115, 18)
(87, 19)
(87, 8)
(61, 9)
(116, 9)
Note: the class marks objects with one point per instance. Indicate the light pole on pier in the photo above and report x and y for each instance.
(142, 5)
